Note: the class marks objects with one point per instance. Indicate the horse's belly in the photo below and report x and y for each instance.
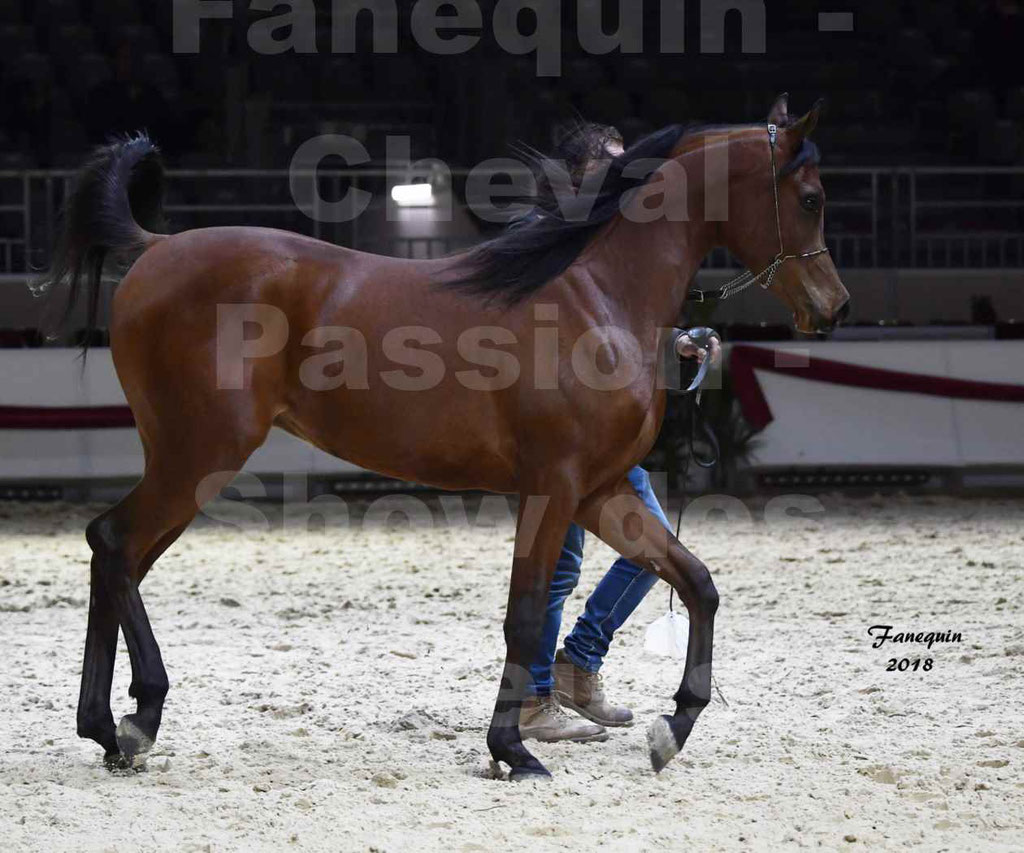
(421, 438)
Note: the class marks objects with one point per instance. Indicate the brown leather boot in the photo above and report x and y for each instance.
(583, 692)
(542, 718)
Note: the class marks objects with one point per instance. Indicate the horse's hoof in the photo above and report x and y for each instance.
(661, 739)
(132, 741)
(528, 774)
(118, 765)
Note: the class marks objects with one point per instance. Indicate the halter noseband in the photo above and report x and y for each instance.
(746, 279)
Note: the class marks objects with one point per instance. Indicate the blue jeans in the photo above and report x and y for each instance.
(609, 605)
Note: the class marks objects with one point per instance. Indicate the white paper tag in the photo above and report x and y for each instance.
(666, 636)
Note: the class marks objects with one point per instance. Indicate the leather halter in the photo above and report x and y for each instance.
(767, 275)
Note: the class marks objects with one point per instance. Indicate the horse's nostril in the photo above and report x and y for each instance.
(843, 312)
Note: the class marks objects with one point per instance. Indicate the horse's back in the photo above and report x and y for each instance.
(298, 274)
(178, 318)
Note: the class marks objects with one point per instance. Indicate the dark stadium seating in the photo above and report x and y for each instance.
(911, 79)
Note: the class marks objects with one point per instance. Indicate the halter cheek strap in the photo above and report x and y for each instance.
(767, 275)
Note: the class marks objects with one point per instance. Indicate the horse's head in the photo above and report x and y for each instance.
(783, 234)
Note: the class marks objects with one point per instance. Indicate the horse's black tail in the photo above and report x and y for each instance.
(115, 205)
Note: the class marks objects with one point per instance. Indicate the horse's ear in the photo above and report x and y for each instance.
(804, 126)
(779, 113)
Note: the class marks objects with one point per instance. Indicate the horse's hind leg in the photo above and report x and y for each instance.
(118, 542)
(125, 541)
(95, 720)
(620, 518)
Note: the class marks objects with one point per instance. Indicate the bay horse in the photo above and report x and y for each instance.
(607, 283)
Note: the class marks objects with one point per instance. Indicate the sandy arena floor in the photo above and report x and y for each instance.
(330, 691)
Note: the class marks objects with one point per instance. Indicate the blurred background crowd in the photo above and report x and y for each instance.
(936, 81)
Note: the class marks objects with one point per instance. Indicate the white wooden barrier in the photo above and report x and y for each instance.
(54, 377)
(822, 424)
(816, 423)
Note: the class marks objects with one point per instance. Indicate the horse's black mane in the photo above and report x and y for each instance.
(540, 246)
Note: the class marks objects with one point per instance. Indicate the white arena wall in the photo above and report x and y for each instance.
(55, 377)
(816, 424)
(823, 424)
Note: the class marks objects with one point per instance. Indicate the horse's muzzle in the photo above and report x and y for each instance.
(827, 325)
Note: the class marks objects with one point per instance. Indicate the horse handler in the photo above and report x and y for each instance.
(571, 678)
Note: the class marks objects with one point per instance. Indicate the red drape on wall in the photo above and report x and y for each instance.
(65, 417)
(744, 359)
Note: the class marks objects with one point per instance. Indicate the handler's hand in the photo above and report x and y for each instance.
(686, 348)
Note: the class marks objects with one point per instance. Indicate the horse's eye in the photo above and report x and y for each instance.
(811, 203)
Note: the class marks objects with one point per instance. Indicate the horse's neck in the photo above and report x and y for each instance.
(644, 269)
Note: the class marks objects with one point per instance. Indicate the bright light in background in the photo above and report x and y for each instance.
(413, 195)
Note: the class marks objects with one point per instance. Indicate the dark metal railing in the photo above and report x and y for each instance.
(935, 217)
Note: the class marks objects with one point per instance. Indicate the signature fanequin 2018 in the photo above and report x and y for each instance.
(884, 633)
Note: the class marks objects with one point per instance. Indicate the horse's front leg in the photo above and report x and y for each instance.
(546, 507)
(621, 519)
